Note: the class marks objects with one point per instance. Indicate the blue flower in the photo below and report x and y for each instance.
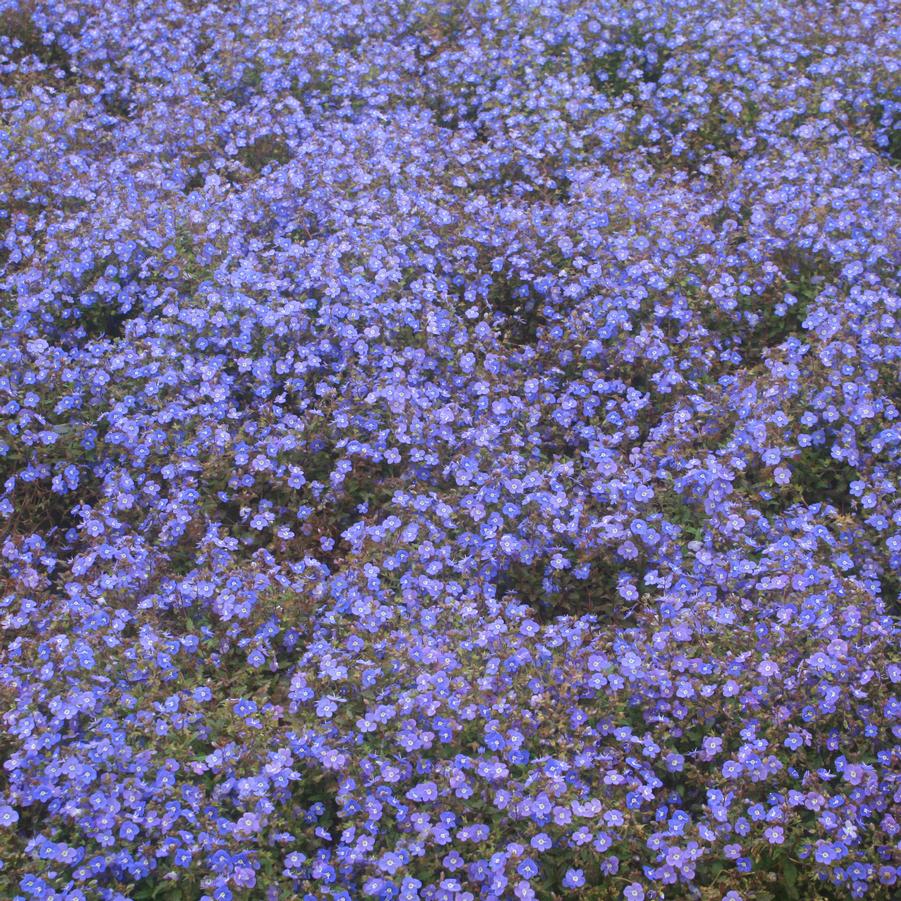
(8, 816)
(244, 707)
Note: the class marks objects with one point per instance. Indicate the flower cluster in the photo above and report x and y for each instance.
(449, 450)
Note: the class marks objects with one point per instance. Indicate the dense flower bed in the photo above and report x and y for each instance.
(449, 450)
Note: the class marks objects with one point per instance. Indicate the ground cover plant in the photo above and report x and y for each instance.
(449, 450)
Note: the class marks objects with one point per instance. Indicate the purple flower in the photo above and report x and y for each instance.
(8, 816)
(502, 397)
(768, 669)
(854, 773)
(541, 842)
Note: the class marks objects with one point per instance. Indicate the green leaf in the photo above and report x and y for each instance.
(790, 874)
